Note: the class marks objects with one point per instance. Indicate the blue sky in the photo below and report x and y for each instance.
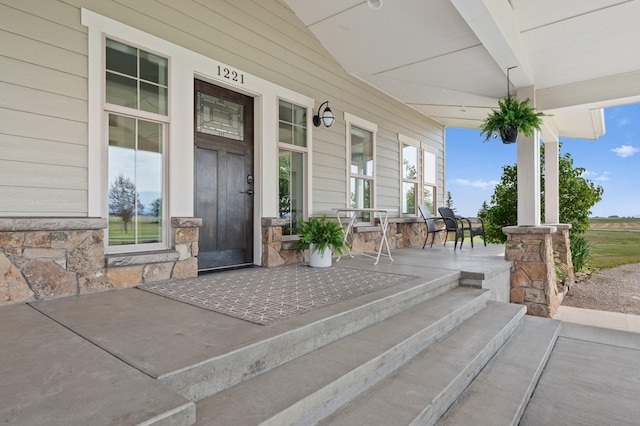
(613, 162)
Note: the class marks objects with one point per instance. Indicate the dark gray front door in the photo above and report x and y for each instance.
(223, 176)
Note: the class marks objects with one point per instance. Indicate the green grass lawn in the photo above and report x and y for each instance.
(614, 242)
(148, 231)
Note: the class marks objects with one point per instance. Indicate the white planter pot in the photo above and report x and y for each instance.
(319, 260)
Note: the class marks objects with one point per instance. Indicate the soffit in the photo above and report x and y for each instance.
(448, 58)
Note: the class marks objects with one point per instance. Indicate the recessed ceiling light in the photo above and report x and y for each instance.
(374, 4)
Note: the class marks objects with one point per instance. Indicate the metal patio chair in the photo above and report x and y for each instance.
(459, 224)
(430, 221)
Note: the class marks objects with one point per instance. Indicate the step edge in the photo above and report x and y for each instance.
(383, 364)
(185, 415)
(203, 379)
(550, 337)
(452, 391)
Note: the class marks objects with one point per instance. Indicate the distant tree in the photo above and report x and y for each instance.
(156, 207)
(449, 201)
(483, 210)
(577, 196)
(124, 200)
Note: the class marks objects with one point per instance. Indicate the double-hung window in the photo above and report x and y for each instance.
(361, 145)
(292, 157)
(136, 110)
(429, 184)
(417, 174)
(410, 178)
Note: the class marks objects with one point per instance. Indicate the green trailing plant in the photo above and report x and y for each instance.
(513, 114)
(322, 233)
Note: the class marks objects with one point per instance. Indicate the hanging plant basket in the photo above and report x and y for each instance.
(509, 135)
(511, 117)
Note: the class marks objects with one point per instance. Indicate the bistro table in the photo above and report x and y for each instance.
(352, 215)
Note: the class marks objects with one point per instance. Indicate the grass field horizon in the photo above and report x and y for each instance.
(614, 242)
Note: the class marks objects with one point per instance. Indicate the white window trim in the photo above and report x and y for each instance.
(307, 196)
(406, 140)
(352, 120)
(427, 148)
(186, 65)
(108, 108)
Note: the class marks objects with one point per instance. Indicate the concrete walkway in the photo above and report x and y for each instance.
(62, 361)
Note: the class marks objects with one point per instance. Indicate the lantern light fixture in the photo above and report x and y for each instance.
(327, 118)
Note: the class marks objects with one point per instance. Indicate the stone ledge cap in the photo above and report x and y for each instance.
(545, 229)
(186, 222)
(273, 222)
(13, 224)
(127, 259)
(560, 226)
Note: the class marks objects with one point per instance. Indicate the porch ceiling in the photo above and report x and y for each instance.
(448, 58)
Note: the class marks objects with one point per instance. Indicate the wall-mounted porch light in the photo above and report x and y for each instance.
(374, 4)
(327, 118)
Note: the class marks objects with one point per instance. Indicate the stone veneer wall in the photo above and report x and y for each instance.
(45, 258)
(401, 233)
(533, 277)
(562, 253)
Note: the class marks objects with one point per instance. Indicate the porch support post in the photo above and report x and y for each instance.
(533, 275)
(551, 182)
(528, 172)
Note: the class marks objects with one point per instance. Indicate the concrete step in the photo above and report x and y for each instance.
(218, 373)
(423, 389)
(306, 389)
(501, 392)
(51, 376)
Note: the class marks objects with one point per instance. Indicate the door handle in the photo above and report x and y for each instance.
(248, 192)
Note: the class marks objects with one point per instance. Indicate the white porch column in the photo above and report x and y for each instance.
(551, 182)
(528, 171)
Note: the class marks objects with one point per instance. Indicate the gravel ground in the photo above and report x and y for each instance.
(614, 290)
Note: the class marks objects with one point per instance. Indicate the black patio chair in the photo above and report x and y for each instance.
(452, 224)
(474, 225)
(432, 226)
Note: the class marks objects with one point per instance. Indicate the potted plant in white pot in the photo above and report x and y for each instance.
(512, 116)
(321, 236)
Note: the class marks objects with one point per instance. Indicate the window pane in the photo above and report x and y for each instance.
(286, 113)
(122, 91)
(293, 124)
(135, 181)
(153, 98)
(429, 171)
(360, 193)
(126, 68)
(286, 134)
(299, 136)
(291, 188)
(409, 162)
(409, 198)
(429, 199)
(122, 59)
(361, 152)
(299, 116)
(220, 117)
(153, 68)
(361, 196)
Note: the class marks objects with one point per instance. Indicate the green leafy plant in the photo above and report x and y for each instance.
(322, 233)
(580, 251)
(512, 114)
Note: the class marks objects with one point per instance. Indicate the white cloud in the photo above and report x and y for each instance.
(596, 176)
(482, 184)
(625, 151)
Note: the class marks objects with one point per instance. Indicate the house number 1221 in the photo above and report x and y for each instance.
(231, 74)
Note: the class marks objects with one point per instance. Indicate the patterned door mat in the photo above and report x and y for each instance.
(265, 295)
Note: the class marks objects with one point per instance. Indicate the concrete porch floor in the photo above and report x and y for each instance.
(62, 360)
